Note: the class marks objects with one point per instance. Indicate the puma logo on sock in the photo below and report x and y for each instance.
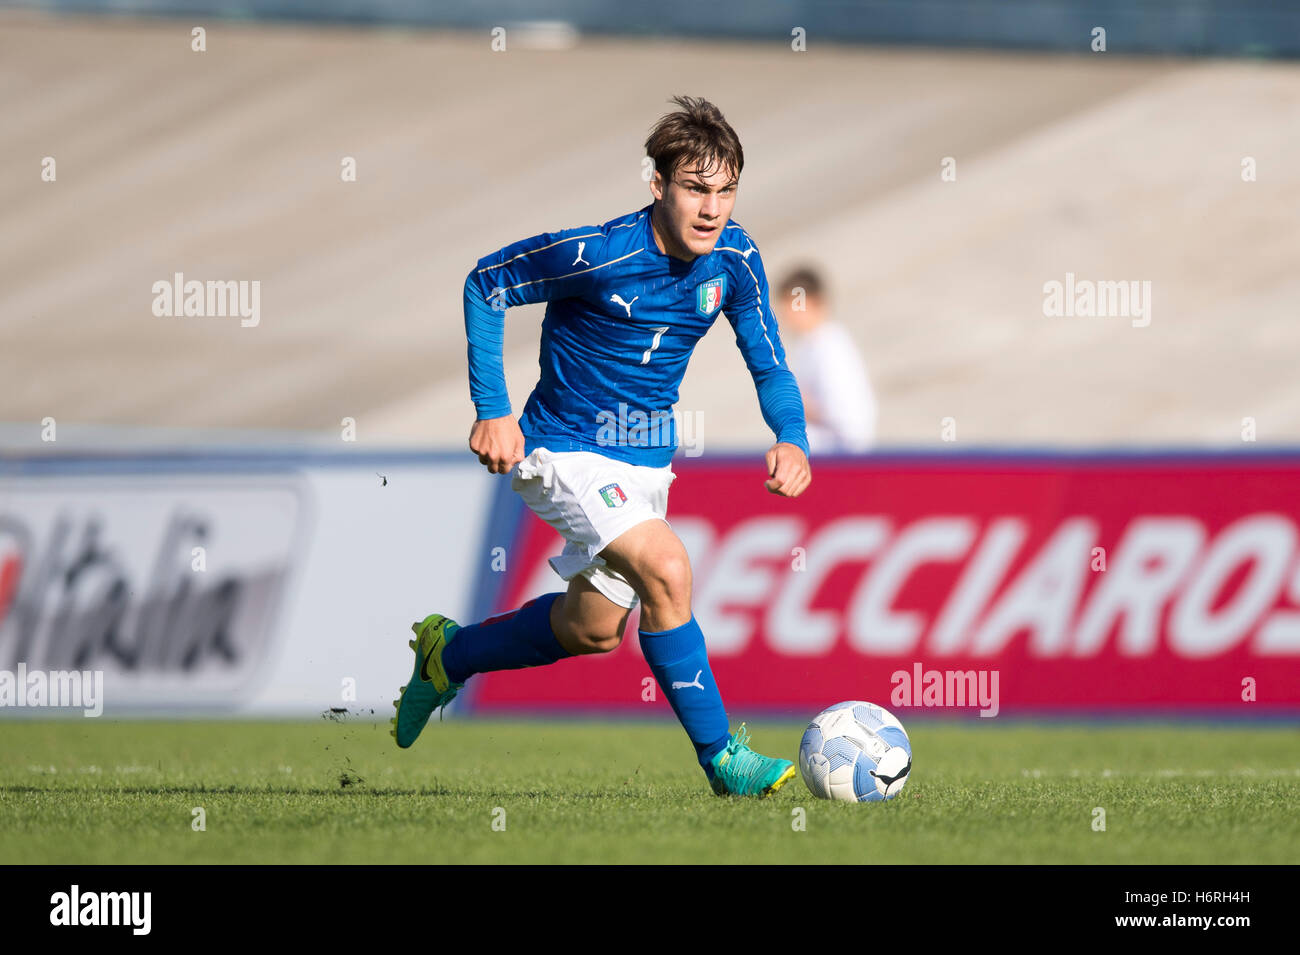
(681, 684)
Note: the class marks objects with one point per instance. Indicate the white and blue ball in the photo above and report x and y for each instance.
(856, 752)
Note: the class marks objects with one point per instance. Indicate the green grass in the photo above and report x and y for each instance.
(95, 791)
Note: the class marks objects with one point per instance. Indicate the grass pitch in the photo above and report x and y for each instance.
(95, 791)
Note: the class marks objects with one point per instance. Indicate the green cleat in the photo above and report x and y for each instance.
(429, 688)
(739, 771)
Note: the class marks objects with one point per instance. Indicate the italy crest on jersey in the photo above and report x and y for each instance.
(708, 295)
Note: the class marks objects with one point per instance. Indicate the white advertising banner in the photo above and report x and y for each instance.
(262, 584)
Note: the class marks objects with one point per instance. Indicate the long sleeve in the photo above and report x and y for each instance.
(548, 266)
(485, 330)
(750, 312)
(782, 407)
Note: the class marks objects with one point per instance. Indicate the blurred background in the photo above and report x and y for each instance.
(938, 164)
(1118, 165)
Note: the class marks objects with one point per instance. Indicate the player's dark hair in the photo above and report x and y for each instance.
(806, 278)
(696, 138)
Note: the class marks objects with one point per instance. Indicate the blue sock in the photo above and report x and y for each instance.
(508, 641)
(678, 656)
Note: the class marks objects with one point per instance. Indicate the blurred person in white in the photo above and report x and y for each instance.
(838, 400)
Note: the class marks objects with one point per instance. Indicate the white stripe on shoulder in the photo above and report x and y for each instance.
(585, 235)
(628, 225)
(758, 290)
(567, 275)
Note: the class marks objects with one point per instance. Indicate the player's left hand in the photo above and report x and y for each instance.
(790, 473)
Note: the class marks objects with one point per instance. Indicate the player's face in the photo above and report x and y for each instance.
(695, 207)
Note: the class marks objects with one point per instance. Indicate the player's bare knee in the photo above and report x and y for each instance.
(606, 642)
(597, 639)
(595, 632)
(668, 584)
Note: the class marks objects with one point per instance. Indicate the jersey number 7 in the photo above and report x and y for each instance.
(659, 333)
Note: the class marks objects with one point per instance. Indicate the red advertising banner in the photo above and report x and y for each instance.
(963, 585)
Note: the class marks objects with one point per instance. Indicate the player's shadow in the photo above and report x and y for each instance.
(348, 789)
(354, 786)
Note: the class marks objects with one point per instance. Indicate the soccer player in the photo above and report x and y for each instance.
(627, 302)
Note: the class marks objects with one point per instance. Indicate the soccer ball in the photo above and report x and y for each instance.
(855, 751)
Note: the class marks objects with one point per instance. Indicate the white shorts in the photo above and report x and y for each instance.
(591, 500)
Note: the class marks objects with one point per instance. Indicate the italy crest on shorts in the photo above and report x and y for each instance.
(708, 295)
(613, 495)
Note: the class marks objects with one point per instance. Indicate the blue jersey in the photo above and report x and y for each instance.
(621, 323)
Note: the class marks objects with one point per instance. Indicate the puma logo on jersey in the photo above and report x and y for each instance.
(681, 684)
(581, 246)
(627, 305)
(745, 255)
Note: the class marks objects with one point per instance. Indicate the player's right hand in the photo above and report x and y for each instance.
(789, 473)
(498, 442)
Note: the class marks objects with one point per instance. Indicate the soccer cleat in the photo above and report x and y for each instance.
(429, 687)
(739, 771)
